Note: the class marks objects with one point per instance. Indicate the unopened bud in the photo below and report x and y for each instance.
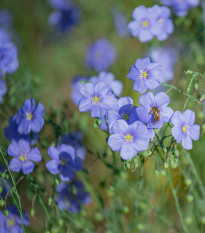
(189, 198)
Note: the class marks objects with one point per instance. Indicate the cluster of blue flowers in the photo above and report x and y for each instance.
(150, 22)
(8, 51)
(132, 127)
(12, 222)
(65, 16)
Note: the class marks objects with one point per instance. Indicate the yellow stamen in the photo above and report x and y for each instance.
(29, 116)
(125, 116)
(96, 99)
(22, 157)
(128, 137)
(11, 222)
(145, 23)
(185, 129)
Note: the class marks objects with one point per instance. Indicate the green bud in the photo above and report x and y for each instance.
(176, 152)
(189, 72)
(166, 165)
(202, 220)
(188, 182)
(189, 198)
(141, 227)
(46, 231)
(50, 200)
(196, 86)
(174, 165)
(32, 212)
(188, 220)
(6, 212)
(98, 216)
(110, 191)
(2, 202)
(1, 189)
(165, 150)
(125, 210)
(143, 205)
(156, 172)
(56, 181)
(162, 173)
(60, 222)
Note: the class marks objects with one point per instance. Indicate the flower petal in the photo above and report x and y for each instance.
(140, 85)
(177, 133)
(166, 114)
(84, 105)
(128, 151)
(53, 166)
(27, 167)
(195, 132)
(67, 174)
(53, 152)
(189, 117)
(161, 100)
(187, 142)
(120, 127)
(35, 155)
(15, 165)
(147, 100)
(115, 142)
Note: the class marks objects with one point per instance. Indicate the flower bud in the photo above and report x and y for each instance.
(188, 220)
(188, 182)
(6, 212)
(189, 198)
(32, 212)
(202, 220)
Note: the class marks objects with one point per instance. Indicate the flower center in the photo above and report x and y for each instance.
(161, 20)
(29, 116)
(1, 56)
(128, 137)
(96, 100)
(156, 113)
(145, 23)
(185, 128)
(11, 222)
(125, 116)
(143, 74)
(63, 163)
(22, 157)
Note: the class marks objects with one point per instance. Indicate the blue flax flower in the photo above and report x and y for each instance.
(162, 25)
(63, 161)
(3, 90)
(30, 117)
(97, 98)
(65, 16)
(184, 128)
(70, 197)
(12, 134)
(8, 55)
(24, 156)
(12, 222)
(123, 109)
(6, 18)
(128, 139)
(145, 75)
(74, 139)
(100, 55)
(181, 7)
(154, 110)
(167, 56)
(109, 79)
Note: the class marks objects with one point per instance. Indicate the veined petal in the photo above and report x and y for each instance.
(161, 100)
(187, 142)
(120, 127)
(127, 151)
(195, 132)
(115, 142)
(189, 117)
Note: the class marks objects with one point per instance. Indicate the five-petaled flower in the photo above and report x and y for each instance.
(184, 128)
(63, 161)
(24, 156)
(145, 75)
(154, 110)
(128, 139)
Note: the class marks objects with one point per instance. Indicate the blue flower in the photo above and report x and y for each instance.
(167, 57)
(162, 25)
(4, 36)
(12, 134)
(8, 55)
(3, 89)
(30, 117)
(154, 110)
(75, 86)
(74, 139)
(128, 139)
(181, 7)
(63, 161)
(145, 75)
(65, 16)
(12, 222)
(120, 21)
(122, 110)
(97, 99)
(24, 156)
(6, 18)
(184, 128)
(100, 55)
(71, 197)
(109, 79)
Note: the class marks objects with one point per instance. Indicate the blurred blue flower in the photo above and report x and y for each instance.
(167, 57)
(181, 7)
(128, 139)
(70, 197)
(123, 109)
(65, 16)
(145, 75)
(74, 139)
(75, 86)
(154, 110)
(109, 79)
(6, 18)
(30, 117)
(97, 98)
(64, 161)
(8, 55)
(12, 222)
(100, 55)
(184, 128)
(24, 156)
(150, 22)
(120, 22)
(162, 25)
(3, 89)
(12, 134)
